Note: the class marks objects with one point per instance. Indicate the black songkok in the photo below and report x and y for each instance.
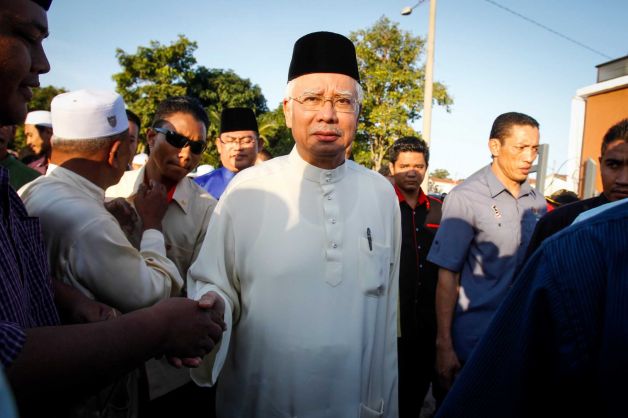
(45, 4)
(323, 52)
(238, 119)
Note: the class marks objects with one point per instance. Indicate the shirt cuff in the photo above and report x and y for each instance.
(12, 339)
(153, 240)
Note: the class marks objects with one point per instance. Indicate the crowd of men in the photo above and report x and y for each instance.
(306, 285)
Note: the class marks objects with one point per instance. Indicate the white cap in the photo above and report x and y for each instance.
(39, 117)
(86, 114)
(200, 170)
(140, 159)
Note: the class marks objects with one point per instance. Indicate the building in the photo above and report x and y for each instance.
(594, 109)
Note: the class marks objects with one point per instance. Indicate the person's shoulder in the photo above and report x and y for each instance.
(259, 173)
(124, 187)
(377, 180)
(201, 194)
(475, 183)
(204, 178)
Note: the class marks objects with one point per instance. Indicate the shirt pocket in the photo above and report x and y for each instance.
(373, 267)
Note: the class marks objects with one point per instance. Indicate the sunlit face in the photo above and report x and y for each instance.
(134, 132)
(23, 27)
(408, 171)
(322, 136)
(237, 155)
(38, 140)
(514, 157)
(174, 163)
(614, 170)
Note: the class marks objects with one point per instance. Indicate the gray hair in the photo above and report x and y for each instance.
(88, 146)
(290, 89)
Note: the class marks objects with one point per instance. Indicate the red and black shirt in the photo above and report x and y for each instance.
(417, 276)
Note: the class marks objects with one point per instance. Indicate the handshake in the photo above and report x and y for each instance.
(190, 328)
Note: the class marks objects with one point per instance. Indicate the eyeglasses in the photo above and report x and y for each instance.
(180, 141)
(343, 104)
(244, 141)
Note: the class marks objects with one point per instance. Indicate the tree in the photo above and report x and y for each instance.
(393, 84)
(276, 135)
(440, 173)
(154, 73)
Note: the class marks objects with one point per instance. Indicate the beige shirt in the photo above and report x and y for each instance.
(88, 250)
(185, 222)
(307, 261)
(184, 226)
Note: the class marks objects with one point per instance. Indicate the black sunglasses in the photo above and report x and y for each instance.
(180, 141)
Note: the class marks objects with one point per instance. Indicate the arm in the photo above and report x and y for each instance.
(447, 364)
(79, 359)
(76, 308)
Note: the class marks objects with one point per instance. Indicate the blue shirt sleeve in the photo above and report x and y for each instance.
(451, 244)
(12, 338)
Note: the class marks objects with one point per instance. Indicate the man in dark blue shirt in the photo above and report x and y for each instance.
(557, 345)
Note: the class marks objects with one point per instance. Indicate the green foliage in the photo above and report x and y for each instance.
(276, 135)
(440, 173)
(154, 73)
(393, 84)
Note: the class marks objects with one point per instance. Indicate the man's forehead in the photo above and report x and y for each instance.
(25, 13)
(616, 149)
(325, 81)
(239, 134)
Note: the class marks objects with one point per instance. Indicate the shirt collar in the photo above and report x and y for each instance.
(422, 200)
(495, 186)
(182, 193)
(317, 174)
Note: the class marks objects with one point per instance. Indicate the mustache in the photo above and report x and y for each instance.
(324, 128)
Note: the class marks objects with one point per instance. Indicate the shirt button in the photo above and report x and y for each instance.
(420, 266)
(329, 197)
(417, 230)
(333, 220)
(334, 245)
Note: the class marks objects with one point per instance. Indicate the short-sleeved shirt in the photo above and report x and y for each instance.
(26, 297)
(483, 235)
(216, 181)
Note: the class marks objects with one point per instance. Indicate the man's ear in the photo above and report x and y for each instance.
(150, 138)
(391, 168)
(494, 145)
(287, 113)
(112, 157)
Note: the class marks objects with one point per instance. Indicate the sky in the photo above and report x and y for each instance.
(490, 60)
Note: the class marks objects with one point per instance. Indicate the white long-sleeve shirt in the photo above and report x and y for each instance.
(88, 250)
(307, 262)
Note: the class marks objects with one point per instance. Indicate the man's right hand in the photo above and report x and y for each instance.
(151, 203)
(447, 365)
(189, 330)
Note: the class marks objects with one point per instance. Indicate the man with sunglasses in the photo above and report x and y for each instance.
(237, 145)
(304, 249)
(176, 139)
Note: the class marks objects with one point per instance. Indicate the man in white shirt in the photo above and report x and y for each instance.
(86, 247)
(177, 139)
(304, 250)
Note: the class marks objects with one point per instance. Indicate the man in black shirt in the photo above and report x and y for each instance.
(420, 218)
(614, 172)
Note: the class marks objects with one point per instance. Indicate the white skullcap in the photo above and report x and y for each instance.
(86, 114)
(39, 117)
(140, 159)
